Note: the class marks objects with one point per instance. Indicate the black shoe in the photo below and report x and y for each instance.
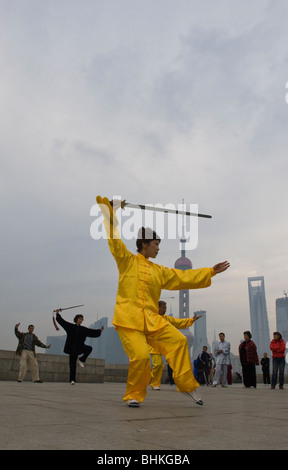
(133, 403)
(195, 397)
(38, 381)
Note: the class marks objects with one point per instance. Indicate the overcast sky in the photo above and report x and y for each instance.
(156, 101)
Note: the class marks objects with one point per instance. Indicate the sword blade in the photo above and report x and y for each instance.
(68, 308)
(162, 209)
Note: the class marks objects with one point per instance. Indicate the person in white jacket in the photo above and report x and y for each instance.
(222, 358)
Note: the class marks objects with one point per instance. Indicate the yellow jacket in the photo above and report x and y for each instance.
(141, 281)
(179, 323)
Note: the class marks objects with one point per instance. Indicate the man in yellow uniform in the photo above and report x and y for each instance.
(156, 358)
(136, 317)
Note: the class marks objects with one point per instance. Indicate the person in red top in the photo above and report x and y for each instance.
(278, 347)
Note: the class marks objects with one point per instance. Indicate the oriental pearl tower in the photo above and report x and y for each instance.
(184, 263)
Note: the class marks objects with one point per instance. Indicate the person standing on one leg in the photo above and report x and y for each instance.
(74, 346)
(222, 359)
(136, 317)
(26, 350)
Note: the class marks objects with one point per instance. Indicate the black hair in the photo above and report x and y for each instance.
(248, 333)
(76, 318)
(146, 235)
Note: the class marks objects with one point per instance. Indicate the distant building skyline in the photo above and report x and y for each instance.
(200, 334)
(258, 314)
(109, 346)
(282, 316)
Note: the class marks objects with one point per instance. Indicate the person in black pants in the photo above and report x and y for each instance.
(265, 363)
(249, 360)
(203, 362)
(74, 346)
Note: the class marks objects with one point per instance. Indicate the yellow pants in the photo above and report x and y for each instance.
(157, 370)
(169, 342)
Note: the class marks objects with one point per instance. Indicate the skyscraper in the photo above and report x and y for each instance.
(200, 334)
(282, 316)
(258, 314)
(184, 263)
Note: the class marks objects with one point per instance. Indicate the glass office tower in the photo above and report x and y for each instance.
(282, 316)
(258, 315)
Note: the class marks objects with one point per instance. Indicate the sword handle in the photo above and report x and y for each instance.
(123, 203)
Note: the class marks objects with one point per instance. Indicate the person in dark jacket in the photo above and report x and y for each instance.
(26, 351)
(203, 361)
(249, 359)
(75, 341)
(265, 363)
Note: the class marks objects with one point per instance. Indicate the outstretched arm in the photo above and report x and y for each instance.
(92, 333)
(221, 267)
(182, 323)
(40, 344)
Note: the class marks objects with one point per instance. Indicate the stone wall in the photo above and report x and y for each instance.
(52, 368)
(116, 373)
(119, 373)
(55, 368)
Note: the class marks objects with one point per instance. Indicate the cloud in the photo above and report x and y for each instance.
(101, 98)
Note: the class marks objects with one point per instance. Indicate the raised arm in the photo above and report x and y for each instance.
(65, 324)
(117, 247)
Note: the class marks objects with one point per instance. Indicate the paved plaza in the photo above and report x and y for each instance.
(59, 416)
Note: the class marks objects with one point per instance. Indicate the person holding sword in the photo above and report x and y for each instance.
(136, 316)
(75, 341)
